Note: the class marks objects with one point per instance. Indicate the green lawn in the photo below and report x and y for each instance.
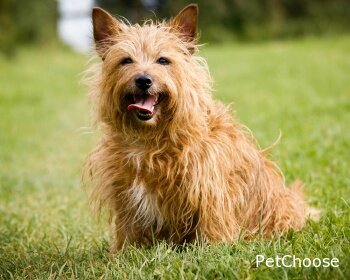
(301, 88)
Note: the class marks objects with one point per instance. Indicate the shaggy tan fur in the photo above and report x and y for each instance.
(189, 171)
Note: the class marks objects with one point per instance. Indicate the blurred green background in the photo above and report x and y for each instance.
(26, 22)
(249, 20)
(35, 21)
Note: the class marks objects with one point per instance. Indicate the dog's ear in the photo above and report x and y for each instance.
(186, 21)
(104, 27)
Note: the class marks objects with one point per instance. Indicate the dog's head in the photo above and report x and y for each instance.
(150, 76)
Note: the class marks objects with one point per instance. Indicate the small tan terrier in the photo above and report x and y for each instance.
(172, 163)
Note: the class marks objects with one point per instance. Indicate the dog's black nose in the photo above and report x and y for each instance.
(143, 82)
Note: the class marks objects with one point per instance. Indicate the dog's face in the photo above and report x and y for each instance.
(144, 68)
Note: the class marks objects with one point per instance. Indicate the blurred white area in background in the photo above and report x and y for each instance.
(74, 24)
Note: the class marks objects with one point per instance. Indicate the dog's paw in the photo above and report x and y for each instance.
(313, 214)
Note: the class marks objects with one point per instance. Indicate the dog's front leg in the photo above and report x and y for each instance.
(128, 233)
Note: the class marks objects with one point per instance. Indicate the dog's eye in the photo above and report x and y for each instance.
(163, 61)
(127, 60)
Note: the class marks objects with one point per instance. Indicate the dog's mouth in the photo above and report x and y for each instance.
(144, 105)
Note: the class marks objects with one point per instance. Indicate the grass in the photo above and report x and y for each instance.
(46, 228)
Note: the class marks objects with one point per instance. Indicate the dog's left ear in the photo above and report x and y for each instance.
(186, 22)
(104, 27)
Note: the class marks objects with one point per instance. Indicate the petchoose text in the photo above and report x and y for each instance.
(293, 261)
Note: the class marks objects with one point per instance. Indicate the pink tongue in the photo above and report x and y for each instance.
(144, 104)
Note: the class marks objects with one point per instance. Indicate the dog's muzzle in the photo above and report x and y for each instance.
(144, 105)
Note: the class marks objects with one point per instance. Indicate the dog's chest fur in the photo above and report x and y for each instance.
(145, 203)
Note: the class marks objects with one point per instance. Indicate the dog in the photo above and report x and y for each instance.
(173, 164)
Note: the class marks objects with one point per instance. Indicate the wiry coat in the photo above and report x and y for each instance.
(193, 170)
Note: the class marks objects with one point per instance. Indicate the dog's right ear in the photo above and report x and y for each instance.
(105, 27)
(186, 24)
